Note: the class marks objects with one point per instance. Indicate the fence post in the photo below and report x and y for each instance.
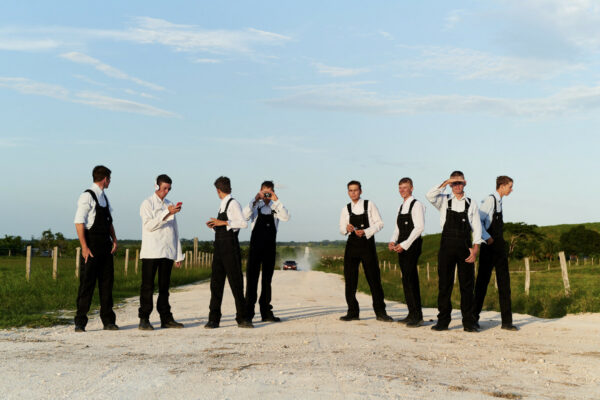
(126, 260)
(195, 251)
(137, 260)
(565, 274)
(28, 264)
(77, 261)
(427, 271)
(495, 281)
(54, 262)
(185, 262)
(455, 274)
(527, 276)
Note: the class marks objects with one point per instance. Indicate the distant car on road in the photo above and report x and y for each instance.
(290, 264)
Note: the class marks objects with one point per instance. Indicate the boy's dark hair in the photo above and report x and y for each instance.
(223, 184)
(405, 180)
(163, 178)
(457, 173)
(268, 185)
(100, 172)
(503, 180)
(354, 183)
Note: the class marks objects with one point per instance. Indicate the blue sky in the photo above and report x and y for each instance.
(310, 95)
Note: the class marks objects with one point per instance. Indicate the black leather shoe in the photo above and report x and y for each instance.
(476, 325)
(349, 317)
(509, 327)
(145, 325)
(171, 324)
(384, 317)
(271, 318)
(405, 320)
(415, 323)
(438, 327)
(245, 324)
(471, 329)
(79, 328)
(111, 327)
(211, 325)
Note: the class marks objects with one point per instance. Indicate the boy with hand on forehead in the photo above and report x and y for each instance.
(360, 220)
(459, 219)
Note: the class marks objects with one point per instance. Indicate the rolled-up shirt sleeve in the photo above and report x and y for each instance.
(375, 222)
(84, 205)
(475, 223)
(151, 219)
(487, 208)
(281, 212)
(250, 211)
(180, 257)
(235, 216)
(436, 196)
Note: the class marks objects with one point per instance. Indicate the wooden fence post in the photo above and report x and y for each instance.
(28, 264)
(195, 251)
(77, 261)
(565, 274)
(137, 260)
(495, 281)
(126, 261)
(427, 271)
(455, 274)
(527, 276)
(54, 262)
(185, 262)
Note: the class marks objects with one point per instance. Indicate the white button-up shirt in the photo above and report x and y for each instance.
(235, 217)
(439, 199)
(86, 206)
(160, 235)
(251, 211)
(358, 208)
(486, 212)
(418, 217)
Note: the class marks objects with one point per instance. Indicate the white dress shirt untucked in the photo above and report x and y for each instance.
(418, 218)
(358, 208)
(486, 213)
(439, 199)
(160, 235)
(235, 217)
(86, 206)
(251, 211)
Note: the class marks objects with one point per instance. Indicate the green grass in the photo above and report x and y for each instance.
(44, 302)
(546, 297)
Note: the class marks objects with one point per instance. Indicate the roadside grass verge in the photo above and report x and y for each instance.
(546, 298)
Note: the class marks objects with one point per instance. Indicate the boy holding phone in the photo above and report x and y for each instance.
(160, 248)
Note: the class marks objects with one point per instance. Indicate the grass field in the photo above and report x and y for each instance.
(546, 297)
(43, 301)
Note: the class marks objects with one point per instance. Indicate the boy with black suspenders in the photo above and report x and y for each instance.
(407, 242)
(360, 220)
(459, 218)
(227, 260)
(493, 254)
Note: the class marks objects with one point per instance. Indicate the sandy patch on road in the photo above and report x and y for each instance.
(311, 354)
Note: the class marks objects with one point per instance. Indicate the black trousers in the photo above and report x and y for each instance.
(493, 256)
(150, 266)
(453, 254)
(408, 260)
(261, 253)
(99, 268)
(227, 263)
(358, 251)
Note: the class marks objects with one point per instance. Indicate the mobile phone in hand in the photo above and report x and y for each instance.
(179, 205)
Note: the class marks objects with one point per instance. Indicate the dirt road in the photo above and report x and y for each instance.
(311, 354)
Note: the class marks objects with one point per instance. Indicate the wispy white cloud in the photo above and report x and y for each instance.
(338, 72)
(28, 45)
(386, 35)
(96, 100)
(207, 61)
(471, 64)
(13, 142)
(453, 18)
(107, 70)
(355, 99)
